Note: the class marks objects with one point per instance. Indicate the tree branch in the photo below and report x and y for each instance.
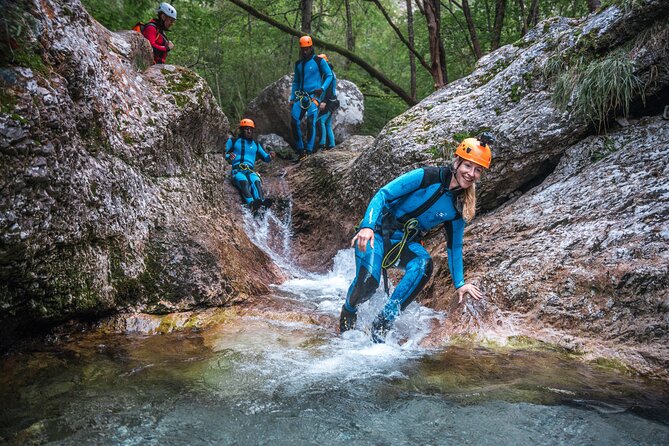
(400, 35)
(376, 74)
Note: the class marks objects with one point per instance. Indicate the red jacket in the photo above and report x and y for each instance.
(157, 39)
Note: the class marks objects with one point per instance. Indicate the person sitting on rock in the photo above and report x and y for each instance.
(396, 218)
(328, 106)
(311, 78)
(241, 152)
(154, 31)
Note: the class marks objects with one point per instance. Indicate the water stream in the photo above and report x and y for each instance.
(280, 375)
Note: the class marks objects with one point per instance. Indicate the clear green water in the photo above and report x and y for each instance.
(279, 375)
(260, 381)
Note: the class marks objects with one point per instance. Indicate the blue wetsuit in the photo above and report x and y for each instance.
(244, 176)
(307, 79)
(396, 199)
(325, 116)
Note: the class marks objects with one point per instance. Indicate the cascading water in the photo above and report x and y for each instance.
(280, 375)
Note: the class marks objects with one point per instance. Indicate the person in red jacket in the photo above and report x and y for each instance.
(154, 31)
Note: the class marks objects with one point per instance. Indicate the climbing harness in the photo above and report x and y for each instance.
(247, 168)
(305, 99)
(409, 233)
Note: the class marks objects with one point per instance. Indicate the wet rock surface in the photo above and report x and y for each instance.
(115, 190)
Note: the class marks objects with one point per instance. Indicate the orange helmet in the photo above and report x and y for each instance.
(324, 56)
(247, 123)
(475, 151)
(305, 41)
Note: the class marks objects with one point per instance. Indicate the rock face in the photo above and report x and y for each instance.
(113, 194)
(271, 112)
(572, 246)
(510, 93)
(585, 252)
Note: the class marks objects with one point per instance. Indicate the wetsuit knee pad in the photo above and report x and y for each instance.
(427, 265)
(364, 287)
(245, 189)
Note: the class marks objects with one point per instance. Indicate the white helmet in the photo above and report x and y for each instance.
(168, 10)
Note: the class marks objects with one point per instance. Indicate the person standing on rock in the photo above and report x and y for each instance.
(396, 218)
(154, 31)
(311, 78)
(327, 108)
(242, 152)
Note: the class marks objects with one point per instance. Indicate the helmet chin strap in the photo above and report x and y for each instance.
(458, 160)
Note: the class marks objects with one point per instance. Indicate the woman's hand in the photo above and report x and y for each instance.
(363, 236)
(468, 288)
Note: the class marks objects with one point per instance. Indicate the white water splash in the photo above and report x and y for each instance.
(282, 354)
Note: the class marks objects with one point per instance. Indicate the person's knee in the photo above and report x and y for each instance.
(365, 286)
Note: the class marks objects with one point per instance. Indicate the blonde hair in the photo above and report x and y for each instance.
(468, 195)
(469, 203)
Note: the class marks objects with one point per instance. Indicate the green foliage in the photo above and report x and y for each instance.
(239, 55)
(595, 89)
(609, 148)
(18, 42)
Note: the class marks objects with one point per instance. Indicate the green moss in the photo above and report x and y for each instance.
(611, 364)
(128, 139)
(436, 152)
(7, 102)
(609, 148)
(180, 81)
(516, 93)
(497, 68)
(181, 100)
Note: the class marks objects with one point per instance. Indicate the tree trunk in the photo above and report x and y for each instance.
(500, 6)
(350, 42)
(359, 61)
(472, 29)
(412, 48)
(307, 8)
(400, 35)
(593, 5)
(533, 15)
(523, 23)
(437, 59)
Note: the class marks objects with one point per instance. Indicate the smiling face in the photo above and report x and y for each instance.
(467, 173)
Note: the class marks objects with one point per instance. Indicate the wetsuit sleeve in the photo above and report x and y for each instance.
(263, 154)
(399, 187)
(295, 83)
(151, 34)
(454, 232)
(334, 85)
(228, 149)
(327, 72)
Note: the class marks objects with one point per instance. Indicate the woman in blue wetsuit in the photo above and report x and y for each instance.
(396, 217)
(242, 152)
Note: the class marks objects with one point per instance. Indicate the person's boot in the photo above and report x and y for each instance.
(380, 328)
(346, 320)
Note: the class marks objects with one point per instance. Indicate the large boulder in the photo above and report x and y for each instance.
(512, 93)
(114, 196)
(580, 260)
(271, 112)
